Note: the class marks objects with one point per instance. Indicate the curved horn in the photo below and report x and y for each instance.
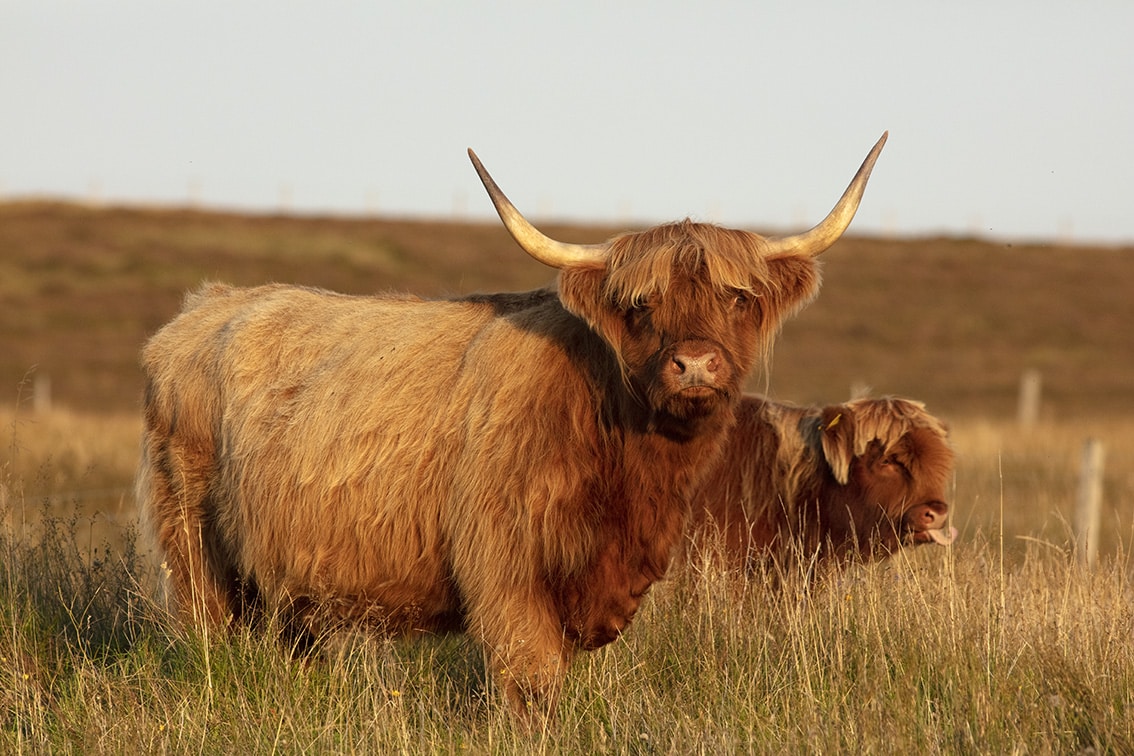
(546, 250)
(818, 239)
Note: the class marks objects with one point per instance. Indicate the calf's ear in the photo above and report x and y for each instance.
(836, 433)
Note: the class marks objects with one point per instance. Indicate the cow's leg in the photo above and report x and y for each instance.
(173, 489)
(527, 656)
(531, 680)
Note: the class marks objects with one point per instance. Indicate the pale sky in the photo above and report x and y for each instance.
(1007, 120)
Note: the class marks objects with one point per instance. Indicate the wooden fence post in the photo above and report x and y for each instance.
(1088, 508)
(41, 393)
(1028, 411)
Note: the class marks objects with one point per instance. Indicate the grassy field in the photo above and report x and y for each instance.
(1001, 643)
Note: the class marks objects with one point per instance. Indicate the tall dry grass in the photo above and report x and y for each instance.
(1022, 484)
(1001, 643)
(69, 464)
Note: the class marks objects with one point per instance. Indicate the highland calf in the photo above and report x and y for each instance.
(804, 489)
(515, 466)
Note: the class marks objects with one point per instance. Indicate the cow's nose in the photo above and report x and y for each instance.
(935, 518)
(706, 363)
(929, 515)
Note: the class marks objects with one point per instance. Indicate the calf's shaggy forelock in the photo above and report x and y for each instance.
(516, 466)
(803, 489)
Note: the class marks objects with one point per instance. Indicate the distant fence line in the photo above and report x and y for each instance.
(1088, 505)
(1088, 502)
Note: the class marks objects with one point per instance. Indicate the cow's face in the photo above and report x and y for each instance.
(686, 309)
(887, 490)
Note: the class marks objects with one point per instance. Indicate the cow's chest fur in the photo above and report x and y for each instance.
(640, 513)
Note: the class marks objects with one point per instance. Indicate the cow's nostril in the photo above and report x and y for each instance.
(708, 362)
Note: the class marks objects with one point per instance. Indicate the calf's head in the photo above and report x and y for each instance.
(686, 307)
(890, 463)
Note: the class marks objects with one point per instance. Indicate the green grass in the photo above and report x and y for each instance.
(941, 654)
(1002, 643)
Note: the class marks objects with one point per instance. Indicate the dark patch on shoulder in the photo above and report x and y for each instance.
(509, 303)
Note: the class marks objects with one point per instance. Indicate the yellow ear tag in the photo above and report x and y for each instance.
(835, 421)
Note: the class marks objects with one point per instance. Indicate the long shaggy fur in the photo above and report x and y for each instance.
(517, 466)
(802, 489)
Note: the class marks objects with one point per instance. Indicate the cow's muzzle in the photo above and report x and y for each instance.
(925, 523)
(697, 366)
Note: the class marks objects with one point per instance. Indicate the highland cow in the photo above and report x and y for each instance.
(806, 489)
(515, 466)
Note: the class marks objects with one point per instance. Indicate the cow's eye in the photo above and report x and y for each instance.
(639, 307)
(638, 310)
(741, 300)
(892, 462)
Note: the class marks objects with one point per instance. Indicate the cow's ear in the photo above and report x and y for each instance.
(793, 281)
(836, 429)
(582, 290)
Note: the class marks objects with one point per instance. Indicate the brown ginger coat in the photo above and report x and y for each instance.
(806, 488)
